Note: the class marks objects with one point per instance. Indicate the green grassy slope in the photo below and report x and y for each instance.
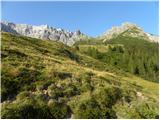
(134, 55)
(46, 79)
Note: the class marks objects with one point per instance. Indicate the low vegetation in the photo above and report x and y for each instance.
(47, 79)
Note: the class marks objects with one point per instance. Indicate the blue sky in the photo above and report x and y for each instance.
(92, 18)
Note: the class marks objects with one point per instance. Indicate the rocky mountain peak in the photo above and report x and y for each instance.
(116, 30)
(128, 29)
(42, 32)
(129, 25)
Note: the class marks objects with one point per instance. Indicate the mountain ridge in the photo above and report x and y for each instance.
(70, 38)
(43, 32)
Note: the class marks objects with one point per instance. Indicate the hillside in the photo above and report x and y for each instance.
(129, 49)
(47, 79)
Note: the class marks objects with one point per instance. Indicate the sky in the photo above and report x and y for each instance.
(92, 18)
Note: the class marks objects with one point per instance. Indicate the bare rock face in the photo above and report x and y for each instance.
(128, 29)
(8, 27)
(42, 32)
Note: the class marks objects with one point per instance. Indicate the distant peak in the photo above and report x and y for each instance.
(6, 22)
(42, 32)
(115, 30)
(78, 32)
(129, 24)
(126, 29)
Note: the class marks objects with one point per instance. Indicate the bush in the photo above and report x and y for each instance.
(90, 109)
(71, 91)
(86, 82)
(55, 92)
(9, 87)
(107, 97)
(145, 111)
(62, 75)
(23, 95)
(25, 110)
(27, 76)
(60, 111)
(69, 54)
(35, 109)
(42, 85)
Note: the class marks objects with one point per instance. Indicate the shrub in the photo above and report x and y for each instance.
(35, 109)
(147, 112)
(9, 87)
(90, 109)
(28, 75)
(71, 91)
(107, 97)
(60, 111)
(62, 75)
(23, 95)
(25, 110)
(86, 82)
(43, 85)
(55, 92)
(69, 54)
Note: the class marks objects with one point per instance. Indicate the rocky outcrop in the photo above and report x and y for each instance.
(42, 32)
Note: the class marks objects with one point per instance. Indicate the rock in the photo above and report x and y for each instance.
(54, 37)
(51, 102)
(139, 94)
(42, 32)
(77, 32)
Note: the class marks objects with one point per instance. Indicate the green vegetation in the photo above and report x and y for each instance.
(133, 55)
(47, 79)
(32, 108)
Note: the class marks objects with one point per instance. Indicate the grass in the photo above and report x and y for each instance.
(37, 74)
(102, 48)
(134, 55)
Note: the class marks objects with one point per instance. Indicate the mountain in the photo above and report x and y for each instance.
(70, 38)
(128, 29)
(127, 48)
(50, 73)
(43, 32)
(48, 79)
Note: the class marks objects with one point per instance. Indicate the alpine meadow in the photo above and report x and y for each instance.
(54, 73)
